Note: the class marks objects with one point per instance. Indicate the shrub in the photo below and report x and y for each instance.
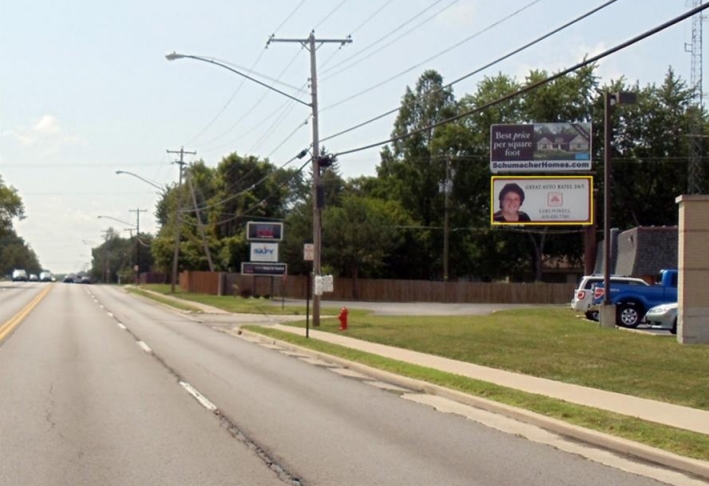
(245, 293)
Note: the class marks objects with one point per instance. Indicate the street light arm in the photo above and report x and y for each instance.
(141, 178)
(116, 219)
(174, 56)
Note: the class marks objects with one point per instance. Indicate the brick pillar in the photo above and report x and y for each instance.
(693, 291)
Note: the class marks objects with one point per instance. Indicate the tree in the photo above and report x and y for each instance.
(359, 234)
(10, 207)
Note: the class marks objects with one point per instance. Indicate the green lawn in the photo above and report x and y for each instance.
(671, 439)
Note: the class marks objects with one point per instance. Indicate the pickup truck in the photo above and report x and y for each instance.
(632, 301)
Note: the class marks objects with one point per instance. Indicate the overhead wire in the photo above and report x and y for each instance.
(330, 14)
(390, 33)
(254, 206)
(478, 70)
(251, 187)
(243, 80)
(445, 51)
(536, 84)
(416, 27)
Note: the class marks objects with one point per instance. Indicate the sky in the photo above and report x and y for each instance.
(86, 90)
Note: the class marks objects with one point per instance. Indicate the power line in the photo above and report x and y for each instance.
(382, 83)
(248, 112)
(490, 64)
(537, 84)
(330, 14)
(390, 33)
(395, 40)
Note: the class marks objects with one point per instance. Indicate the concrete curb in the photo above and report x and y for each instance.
(616, 444)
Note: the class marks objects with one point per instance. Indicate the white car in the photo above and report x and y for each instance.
(663, 316)
(583, 295)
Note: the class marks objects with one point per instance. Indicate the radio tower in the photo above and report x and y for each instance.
(695, 172)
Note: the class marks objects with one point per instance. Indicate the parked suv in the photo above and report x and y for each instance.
(583, 295)
(19, 276)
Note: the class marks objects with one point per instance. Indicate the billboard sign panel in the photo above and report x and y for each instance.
(252, 268)
(264, 252)
(540, 147)
(541, 200)
(264, 231)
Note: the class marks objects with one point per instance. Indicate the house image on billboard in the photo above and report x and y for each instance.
(567, 142)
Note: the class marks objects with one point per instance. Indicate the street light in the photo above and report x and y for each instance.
(139, 177)
(608, 311)
(116, 219)
(316, 158)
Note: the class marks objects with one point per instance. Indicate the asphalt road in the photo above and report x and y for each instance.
(100, 387)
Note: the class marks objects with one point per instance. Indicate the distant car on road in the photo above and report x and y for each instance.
(19, 275)
(33, 277)
(663, 316)
(70, 278)
(45, 276)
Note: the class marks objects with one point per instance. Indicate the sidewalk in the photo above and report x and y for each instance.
(663, 413)
(653, 411)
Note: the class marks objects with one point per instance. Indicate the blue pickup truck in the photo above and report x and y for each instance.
(632, 301)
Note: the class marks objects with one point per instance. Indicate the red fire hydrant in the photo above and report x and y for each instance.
(343, 318)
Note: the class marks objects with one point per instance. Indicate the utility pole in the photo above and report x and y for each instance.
(188, 178)
(446, 187)
(106, 255)
(137, 242)
(311, 44)
(178, 215)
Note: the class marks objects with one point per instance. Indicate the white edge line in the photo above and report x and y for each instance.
(144, 347)
(121, 326)
(198, 396)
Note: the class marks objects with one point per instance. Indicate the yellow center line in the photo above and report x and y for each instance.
(7, 327)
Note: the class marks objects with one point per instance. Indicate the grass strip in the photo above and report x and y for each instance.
(163, 300)
(671, 439)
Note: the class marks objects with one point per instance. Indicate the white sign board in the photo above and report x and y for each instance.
(308, 252)
(264, 252)
(540, 200)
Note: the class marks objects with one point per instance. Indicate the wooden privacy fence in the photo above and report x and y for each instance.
(373, 290)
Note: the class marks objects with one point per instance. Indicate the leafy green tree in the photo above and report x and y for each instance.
(10, 206)
(650, 153)
(359, 234)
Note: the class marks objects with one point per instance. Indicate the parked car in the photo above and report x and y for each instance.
(663, 316)
(583, 294)
(632, 301)
(19, 275)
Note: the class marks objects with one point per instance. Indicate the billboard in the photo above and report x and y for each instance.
(251, 268)
(541, 200)
(265, 231)
(264, 252)
(540, 147)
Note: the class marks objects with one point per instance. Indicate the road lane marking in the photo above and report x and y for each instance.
(198, 396)
(144, 347)
(7, 327)
(110, 314)
(121, 326)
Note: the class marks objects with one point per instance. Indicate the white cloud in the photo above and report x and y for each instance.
(46, 135)
(48, 124)
(23, 140)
